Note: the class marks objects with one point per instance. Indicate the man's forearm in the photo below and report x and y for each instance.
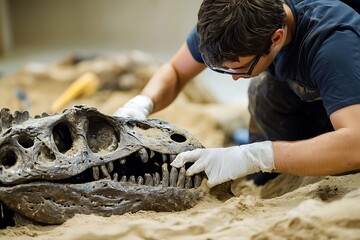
(327, 154)
(170, 79)
(162, 88)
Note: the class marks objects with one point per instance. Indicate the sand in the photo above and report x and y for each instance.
(319, 208)
(288, 207)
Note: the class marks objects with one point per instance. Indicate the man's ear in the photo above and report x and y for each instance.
(278, 36)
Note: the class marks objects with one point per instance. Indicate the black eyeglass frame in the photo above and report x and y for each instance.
(223, 71)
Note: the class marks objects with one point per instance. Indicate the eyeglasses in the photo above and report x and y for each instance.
(234, 71)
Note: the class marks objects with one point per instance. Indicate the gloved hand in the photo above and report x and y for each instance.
(139, 107)
(224, 164)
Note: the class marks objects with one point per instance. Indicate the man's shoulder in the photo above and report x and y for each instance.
(354, 4)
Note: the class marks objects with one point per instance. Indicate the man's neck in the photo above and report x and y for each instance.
(290, 24)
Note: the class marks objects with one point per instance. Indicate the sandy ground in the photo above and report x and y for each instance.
(289, 207)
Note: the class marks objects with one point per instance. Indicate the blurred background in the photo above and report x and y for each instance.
(44, 31)
(38, 36)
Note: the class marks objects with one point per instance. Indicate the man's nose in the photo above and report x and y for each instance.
(235, 77)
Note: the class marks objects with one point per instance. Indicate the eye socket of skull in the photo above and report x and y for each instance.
(8, 157)
(62, 136)
(101, 135)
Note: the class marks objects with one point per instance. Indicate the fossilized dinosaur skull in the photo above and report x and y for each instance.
(81, 161)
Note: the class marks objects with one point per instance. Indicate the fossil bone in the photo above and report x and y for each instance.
(81, 161)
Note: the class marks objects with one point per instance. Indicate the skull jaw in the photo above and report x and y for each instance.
(51, 203)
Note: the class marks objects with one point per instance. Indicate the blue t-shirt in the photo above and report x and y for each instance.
(323, 59)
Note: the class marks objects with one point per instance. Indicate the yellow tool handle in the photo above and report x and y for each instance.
(84, 86)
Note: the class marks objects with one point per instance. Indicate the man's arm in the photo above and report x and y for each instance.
(169, 80)
(163, 87)
(329, 153)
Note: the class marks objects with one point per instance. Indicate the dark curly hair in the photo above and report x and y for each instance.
(229, 29)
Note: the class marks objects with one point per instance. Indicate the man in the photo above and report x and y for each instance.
(304, 102)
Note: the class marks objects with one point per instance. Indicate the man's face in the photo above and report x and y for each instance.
(278, 39)
(246, 63)
(249, 65)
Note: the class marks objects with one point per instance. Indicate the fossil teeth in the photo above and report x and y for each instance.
(173, 177)
(152, 154)
(149, 180)
(143, 155)
(197, 180)
(140, 180)
(156, 178)
(164, 158)
(122, 161)
(172, 157)
(188, 182)
(2, 210)
(132, 179)
(123, 179)
(110, 167)
(181, 178)
(165, 174)
(104, 171)
(115, 177)
(96, 173)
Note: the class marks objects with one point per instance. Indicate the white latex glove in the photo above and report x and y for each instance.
(224, 164)
(139, 107)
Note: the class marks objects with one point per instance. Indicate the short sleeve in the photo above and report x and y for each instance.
(193, 45)
(336, 70)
